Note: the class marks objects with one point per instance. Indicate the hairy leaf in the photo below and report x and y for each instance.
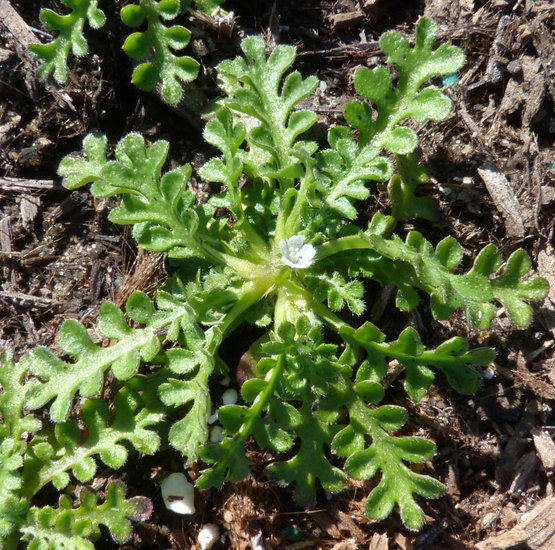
(70, 35)
(68, 527)
(157, 45)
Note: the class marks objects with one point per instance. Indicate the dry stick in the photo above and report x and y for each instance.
(22, 184)
(20, 297)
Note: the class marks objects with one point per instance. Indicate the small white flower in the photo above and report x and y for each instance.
(295, 253)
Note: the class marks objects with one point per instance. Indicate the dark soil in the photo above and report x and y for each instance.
(60, 258)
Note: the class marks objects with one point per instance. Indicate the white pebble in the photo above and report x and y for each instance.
(208, 535)
(488, 373)
(217, 434)
(226, 380)
(229, 397)
(178, 494)
(210, 419)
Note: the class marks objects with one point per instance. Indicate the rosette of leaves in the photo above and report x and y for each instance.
(157, 46)
(274, 189)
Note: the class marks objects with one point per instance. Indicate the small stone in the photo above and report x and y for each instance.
(217, 434)
(208, 535)
(514, 67)
(488, 373)
(178, 494)
(229, 397)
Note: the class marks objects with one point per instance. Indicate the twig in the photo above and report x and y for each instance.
(21, 184)
(20, 297)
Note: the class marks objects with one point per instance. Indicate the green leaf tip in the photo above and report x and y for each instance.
(70, 35)
(69, 527)
(157, 45)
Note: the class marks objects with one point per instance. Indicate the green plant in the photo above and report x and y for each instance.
(286, 258)
(154, 46)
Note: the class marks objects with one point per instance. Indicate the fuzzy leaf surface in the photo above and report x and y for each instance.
(70, 528)
(61, 380)
(157, 45)
(70, 35)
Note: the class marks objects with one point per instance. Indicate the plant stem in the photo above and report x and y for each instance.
(261, 401)
(247, 269)
(343, 243)
(294, 217)
(258, 244)
(251, 293)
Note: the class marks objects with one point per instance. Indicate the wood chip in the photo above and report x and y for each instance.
(16, 185)
(545, 447)
(534, 100)
(504, 198)
(379, 542)
(494, 72)
(327, 524)
(546, 269)
(444, 13)
(28, 210)
(535, 530)
(21, 36)
(348, 544)
(403, 542)
(5, 235)
(506, 463)
(346, 523)
(10, 126)
(341, 21)
(19, 297)
(5, 55)
(543, 42)
(525, 470)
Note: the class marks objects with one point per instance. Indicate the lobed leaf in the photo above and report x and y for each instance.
(156, 45)
(70, 35)
(190, 433)
(69, 528)
(253, 88)
(63, 448)
(61, 380)
(452, 357)
(474, 292)
(401, 191)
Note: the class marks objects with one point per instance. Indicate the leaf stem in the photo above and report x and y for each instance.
(294, 218)
(342, 244)
(261, 400)
(247, 269)
(251, 293)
